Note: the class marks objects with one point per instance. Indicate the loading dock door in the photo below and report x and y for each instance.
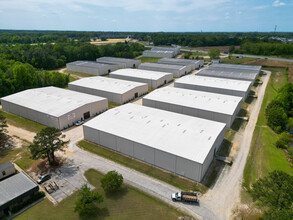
(136, 95)
(86, 115)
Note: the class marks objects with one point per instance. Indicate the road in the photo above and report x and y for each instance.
(217, 203)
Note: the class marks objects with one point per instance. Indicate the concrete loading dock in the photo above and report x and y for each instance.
(54, 107)
(152, 78)
(216, 85)
(91, 67)
(152, 53)
(178, 143)
(229, 73)
(115, 90)
(176, 70)
(195, 64)
(121, 62)
(211, 106)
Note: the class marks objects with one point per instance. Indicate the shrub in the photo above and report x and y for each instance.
(112, 181)
(276, 116)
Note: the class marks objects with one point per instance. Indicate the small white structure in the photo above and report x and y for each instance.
(195, 64)
(91, 67)
(6, 170)
(54, 107)
(175, 49)
(177, 70)
(215, 85)
(159, 53)
(178, 143)
(152, 78)
(121, 62)
(115, 90)
(211, 106)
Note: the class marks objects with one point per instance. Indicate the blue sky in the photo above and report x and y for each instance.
(147, 15)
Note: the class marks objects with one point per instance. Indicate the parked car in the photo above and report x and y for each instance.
(79, 122)
(44, 178)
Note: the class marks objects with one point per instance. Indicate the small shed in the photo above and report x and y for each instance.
(7, 169)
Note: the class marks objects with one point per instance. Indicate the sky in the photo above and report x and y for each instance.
(148, 15)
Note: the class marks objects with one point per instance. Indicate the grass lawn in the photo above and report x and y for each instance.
(182, 183)
(235, 60)
(264, 157)
(78, 74)
(113, 105)
(150, 59)
(129, 203)
(22, 122)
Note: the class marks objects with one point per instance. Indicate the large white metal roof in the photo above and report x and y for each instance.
(182, 61)
(15, 186)
(213, 102)
(90, 64)
(236, 66)
(51, 100)
(228, 73)
(139, 73)
(185, 136)
(223, 83)
(161, 65)
(113, 85)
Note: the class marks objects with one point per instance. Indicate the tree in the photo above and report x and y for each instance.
(214, 54)
(103, 38)
(46, 142)
(276, 116)
(112, 181)
(274, 191)
(285, 96)
(87, 201)
(3, 130)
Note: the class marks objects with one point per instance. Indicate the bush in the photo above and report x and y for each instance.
(112, 181)
(36, 197)
(276, 116)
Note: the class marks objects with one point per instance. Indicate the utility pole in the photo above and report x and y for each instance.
(275, 28)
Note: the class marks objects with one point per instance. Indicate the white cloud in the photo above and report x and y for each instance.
(277, 3)
(260, 7)
(239, 12)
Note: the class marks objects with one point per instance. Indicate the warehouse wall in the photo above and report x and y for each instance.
(149, 53)
(130, 95)
(164, 160)
(120, 65)
(175, 72)
(102, 70)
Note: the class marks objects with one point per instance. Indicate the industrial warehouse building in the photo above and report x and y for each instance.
(121, 62)
(175, 49)
(176, 70)
(229, 73)
(159, 53)
(195, 64)
(152, 78)
(54, 107)
(175, 142)
(15, 190)
(115, 90)
(237, 66)
(91, 67)
(211, 106)
(216, 85)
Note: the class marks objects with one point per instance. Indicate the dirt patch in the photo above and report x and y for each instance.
(273, 63)
(44, 167)
(221, 48)
(245, 211)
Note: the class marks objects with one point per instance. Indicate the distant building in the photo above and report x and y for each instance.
(159, 53)
(121, 62)
(177, 70)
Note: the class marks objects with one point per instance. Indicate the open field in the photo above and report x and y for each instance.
(109, 41)
(235, 60)
(129, 203)
(22, 122)
(149, 59)
(264, 157)
(150, 170)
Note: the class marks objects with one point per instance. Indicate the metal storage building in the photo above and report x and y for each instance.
(91, 67)
(178, 143)
(115, 90)
(152, 78)
(54, 107)
(195, 64)
(237, 66)
(216, 85)
(16, 189)
(159, 53)
(228, 73)
(207, 105)
(176, 49)
(121, 62)
(6, 170)
(177, 70)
